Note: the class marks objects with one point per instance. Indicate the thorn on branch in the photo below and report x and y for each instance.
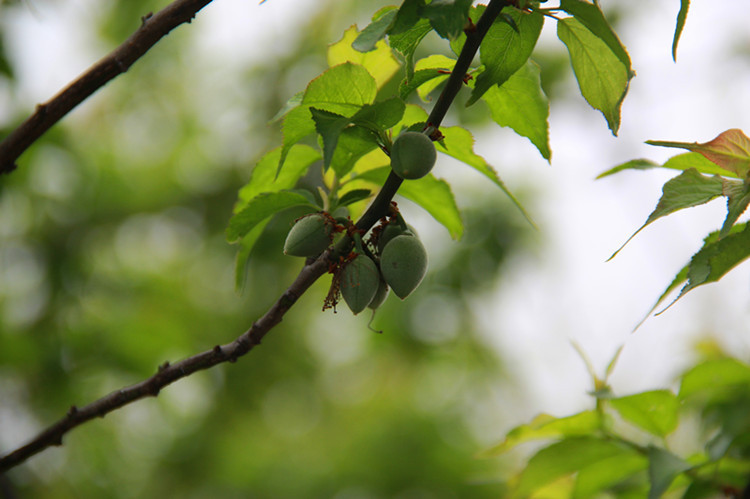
(121, 65)
(243, 346)
(145, 18)
(163, 367)
(5, 169)
(433, 133)
(466, 78)
(470, 26)
(72, 411)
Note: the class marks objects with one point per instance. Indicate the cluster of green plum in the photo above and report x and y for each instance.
(390, 256)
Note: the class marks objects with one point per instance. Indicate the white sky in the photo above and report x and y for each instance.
(567, 292)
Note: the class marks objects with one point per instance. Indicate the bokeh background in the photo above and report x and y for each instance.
(113, 260)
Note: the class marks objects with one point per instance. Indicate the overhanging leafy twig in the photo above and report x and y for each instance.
(230, 352)
(151, 30)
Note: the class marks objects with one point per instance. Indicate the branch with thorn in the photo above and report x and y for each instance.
(168, 373)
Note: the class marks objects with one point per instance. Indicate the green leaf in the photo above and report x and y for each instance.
(678, 280)
(503, 51)
(264, 179)
(697, 161)
(354, 196)
(260, 208)
(406, 43)
(374, 118)
(681, 16)
(738, 197)
(520, 104)
(379, 63)
(663, 468)
(605, 473)
(329, 126)
(448, 17)
(376, 175)
(432, 194)
(688, 189)
(298, 124)
(436, 197)
(564, 458)
(343, 90)
(246, 245)
(730, 150)
(430, 72)
(375, 31)
(380, 115)
(459, 143)
(545, 426)
(353, 143)
(602, 76)
(654, 411)
(408, 15)
(294, 101)
(718, 257)
(683, 162)
(712, 375)
(700, 489)
(591, 16)
(696, 271)
(419, 78)
(633, 164)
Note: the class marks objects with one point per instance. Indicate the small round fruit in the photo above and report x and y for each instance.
(403, 264)
(310, 236)
(412, 155)
(380, 295)
(390, 231)
(359, 283)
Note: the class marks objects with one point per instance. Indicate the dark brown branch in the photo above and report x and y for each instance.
(169, 373)
(151, 30)
(474, 36)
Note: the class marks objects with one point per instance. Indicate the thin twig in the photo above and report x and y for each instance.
(169, 373)
(151, 30)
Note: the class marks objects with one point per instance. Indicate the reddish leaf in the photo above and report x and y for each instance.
(730, 150)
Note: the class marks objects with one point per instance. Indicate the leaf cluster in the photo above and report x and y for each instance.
(623, 446)
(345, 120)
(718, 168)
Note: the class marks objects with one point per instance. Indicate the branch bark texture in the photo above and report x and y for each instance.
(168, 373)
(152, 29)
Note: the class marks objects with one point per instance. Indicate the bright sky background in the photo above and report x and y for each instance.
(566, 292)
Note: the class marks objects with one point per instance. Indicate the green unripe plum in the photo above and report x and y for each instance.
(403, 264)
(413, 155)
(310, 236)
(359, 283)
(390, 231)
(380, 295)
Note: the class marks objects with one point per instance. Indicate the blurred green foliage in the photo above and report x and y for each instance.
(113, 260)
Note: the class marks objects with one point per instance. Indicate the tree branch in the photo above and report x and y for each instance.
(152, 29)
(169, 373)
(474, 36)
